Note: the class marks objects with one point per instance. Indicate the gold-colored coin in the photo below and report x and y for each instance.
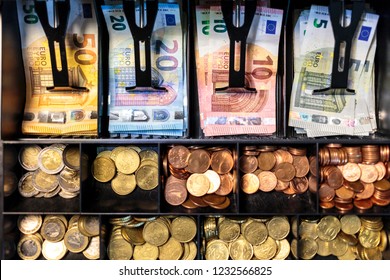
(350, 224)
(228, 231)
(28, 157)
(383, 241)
(123, 184)
(369, 238)
(103, 169)
(50, 160)
(116, 151)
(171, 250)
(328, 228)
(338, 246)
(217, 250)
(350, 254)
(283, 249)
(156, 232)
(324, 249)
(294, 248)
(133, 235)
(307, 229)
(147, 177)
(183, 229)
(240, 249)
(193, 250)
(29, 247)
(198, 184)
(266, 250)
(145, 251)
(26, 186)
(127, 161)
(54, 250)
(307, 248)
(44, 182)
(75, 241)
(119, 248)
(255, 232)
(105, 153)
(53, 229)
(71, 157)
(278, 228)
(148, 154)
(69, 181)
(92, 252)
(89, 225)
(29, 224)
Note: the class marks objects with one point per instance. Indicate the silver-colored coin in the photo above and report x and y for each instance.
(26, 186)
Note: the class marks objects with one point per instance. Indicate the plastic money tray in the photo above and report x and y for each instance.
(98, 199)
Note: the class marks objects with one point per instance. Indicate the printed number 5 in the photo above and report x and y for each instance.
(320, 24)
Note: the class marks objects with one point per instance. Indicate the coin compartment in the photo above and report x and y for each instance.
(12, 236)
(108, 226)
(210, 230)
(304, 232)
(99, 197)
(15, 202)
(382, 67)
(268, 201)
(167, 170)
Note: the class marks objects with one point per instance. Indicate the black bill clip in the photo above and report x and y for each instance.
(343, 36)
(237, 35)
(142, 36)
(55, 35)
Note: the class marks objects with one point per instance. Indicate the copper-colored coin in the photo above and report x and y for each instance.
(362, 204)
(189, 204)
(312, 184)
(198, 161)
(222, 161)
(326, 204)
(213, 199)
(281, 186)
(283, 156)
(345, 193)
(250, 183)
(343, 206)
(266, 160)
(356, 187)
(299, 184)
(198, 201)
(267, 181)
(226, 186)
(313, 165)
(326, 193)
(224, 205)
(351, 172)
(248, 164)
(198, 184)
(379, 201)
(369, 173)
(382, 185)
(289, 190)
(334, 177)
(301, 164)
(175, 191)
(381, 168)
(367, 192)
(301, 151)
(285, 171)
(178, 156)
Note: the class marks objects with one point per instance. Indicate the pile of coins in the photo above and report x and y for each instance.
(268, 168)
(246, 238)
(54, 236)
(354, 176)
(52, 170)
(152, 238)
(127, 167)
(199, 176)
(348, 238)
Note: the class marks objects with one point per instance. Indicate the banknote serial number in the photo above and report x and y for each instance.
(239, 270)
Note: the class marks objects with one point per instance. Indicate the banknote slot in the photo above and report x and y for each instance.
(343, 35)
(55, 32)
(142, 54)
(237, 49)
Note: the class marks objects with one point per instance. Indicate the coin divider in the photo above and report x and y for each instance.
(375, 209)
(275, 202)
(17, 234)
(386, 226)
(15, 203)
(167, 208)
(382, 85)
(98, 197)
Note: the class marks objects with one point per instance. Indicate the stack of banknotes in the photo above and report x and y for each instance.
(147, 113)
(332, 114)
(237, 113)
(66, 112)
